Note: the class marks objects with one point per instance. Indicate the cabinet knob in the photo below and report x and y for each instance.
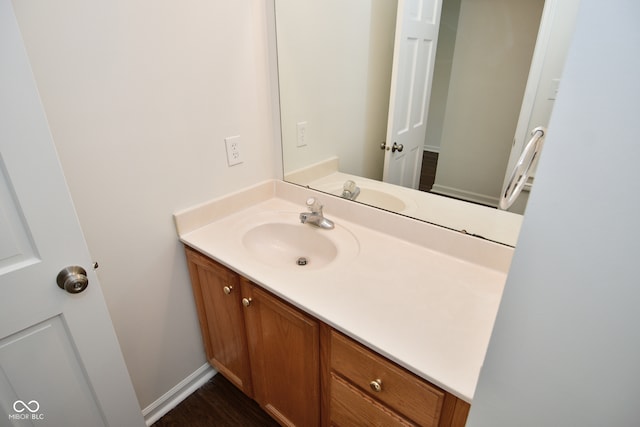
(246, 302)
(376, 385)
(227, 289)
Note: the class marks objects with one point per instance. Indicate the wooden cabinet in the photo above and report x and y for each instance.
(361, 387)
(301, 371)
(267, 348)
(216, 291)
(284, 346)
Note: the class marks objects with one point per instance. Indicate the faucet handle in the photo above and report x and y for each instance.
(349, 186)
(314, 204)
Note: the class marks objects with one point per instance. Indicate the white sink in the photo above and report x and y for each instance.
(281, 241)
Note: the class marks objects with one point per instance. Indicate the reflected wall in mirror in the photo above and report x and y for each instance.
(486, 79)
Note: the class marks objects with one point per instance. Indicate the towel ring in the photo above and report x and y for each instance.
(523, 167)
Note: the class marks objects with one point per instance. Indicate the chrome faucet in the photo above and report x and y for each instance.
(315, 217)
(349, 190)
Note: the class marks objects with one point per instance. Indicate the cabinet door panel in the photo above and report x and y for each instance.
(284, 353)
(221, 318)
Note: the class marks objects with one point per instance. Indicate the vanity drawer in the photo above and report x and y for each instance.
(398, 389)
(351, 407)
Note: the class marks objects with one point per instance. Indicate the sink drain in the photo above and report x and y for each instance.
(302, 261)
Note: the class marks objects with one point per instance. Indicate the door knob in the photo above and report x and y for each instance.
(397, 147)
(246, 302)
(73, 279)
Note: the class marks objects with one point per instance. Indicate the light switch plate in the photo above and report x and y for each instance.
(233, 150)
(553, 92)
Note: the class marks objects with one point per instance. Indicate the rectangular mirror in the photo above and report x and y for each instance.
(420, 107)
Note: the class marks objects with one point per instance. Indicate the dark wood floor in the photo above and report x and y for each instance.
(428, 173)
(218, 403)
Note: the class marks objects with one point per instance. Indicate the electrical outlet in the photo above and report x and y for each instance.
(301, 133)
(233, 150)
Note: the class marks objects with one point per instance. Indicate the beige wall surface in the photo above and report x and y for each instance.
(566, 342)
(139, 97)
(492, 55)
(442, 73)
(334, 64)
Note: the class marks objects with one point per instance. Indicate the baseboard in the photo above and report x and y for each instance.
(177, 394)
(432, 148)
(481, 199)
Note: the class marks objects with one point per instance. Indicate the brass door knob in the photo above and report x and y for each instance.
(246, 302)
(227, 289)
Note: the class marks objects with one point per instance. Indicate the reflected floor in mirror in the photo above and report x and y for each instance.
(428, 171)
(217, 404)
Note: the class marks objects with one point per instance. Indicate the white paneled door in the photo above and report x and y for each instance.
(414, 56)
(60, 362)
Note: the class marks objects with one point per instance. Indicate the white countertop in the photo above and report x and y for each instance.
(429, 311)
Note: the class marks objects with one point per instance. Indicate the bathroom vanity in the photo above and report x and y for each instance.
(376, 327)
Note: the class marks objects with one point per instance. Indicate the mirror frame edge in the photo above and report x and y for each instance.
(274, 87)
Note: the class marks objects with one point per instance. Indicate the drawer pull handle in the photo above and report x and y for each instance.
(376, 385)
(246, 302)
(227, 289)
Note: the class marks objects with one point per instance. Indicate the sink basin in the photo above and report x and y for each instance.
(291, 245)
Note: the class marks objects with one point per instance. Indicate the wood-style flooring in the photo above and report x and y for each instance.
(217, 404)
(428, 172)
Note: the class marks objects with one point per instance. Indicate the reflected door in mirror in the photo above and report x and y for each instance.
(413, 63)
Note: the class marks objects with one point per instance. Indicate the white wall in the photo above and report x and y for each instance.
(139, 97)
(442, 73)
(488, 78)
(550, 54)
(560, 33)
(565, 350)
(334, 61)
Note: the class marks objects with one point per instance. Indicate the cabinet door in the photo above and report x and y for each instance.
(284, 348)
(217, 294)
